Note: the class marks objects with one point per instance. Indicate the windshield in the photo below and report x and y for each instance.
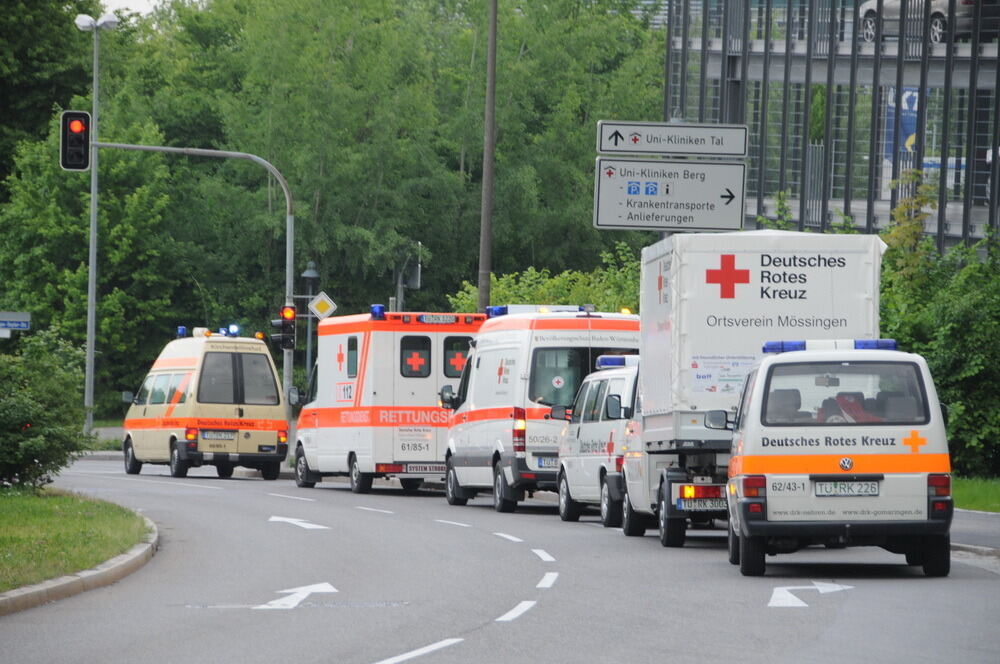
(844, 394)
(556, 373)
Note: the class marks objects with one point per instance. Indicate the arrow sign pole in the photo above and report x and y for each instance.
(782, 596)
(301, 523)
(297, 595)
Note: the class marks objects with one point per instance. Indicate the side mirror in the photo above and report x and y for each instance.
(716, 419)
(128, 397)
(294, 398)
(446, 398)
(560, 413)
(613, 407)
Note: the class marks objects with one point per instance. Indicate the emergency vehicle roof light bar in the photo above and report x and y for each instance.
(378, 312)
(616, 361)
(182, 331)
(830, 344)
(496, 310)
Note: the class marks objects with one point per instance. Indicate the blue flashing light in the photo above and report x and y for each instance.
(378, 312)
(223, 331)
(783, 346)
(182, 331)
(875, 344)
(496, 310)
(610, 361)
(234, 330)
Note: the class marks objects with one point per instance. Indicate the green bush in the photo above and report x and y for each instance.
(41, 409)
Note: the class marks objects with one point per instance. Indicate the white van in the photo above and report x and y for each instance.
(209, 399)
(592, 445)
(838, 442)
(501, 434)
(372, 403)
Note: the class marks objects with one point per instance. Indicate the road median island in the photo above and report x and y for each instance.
(54, 533)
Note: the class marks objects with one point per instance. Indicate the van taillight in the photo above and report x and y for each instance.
(282, 436)
(688, 491)
(754, 486)
(388, 468)
(619, 462)
(938, 485)
(518, 432)
(190, 433)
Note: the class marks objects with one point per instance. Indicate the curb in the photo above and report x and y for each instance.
(104, 574)
(978, 550)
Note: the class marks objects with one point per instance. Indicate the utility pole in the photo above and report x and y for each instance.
(489, 147)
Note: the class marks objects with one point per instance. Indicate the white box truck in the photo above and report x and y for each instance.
(708, 302)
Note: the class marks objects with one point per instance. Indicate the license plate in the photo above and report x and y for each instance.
(218, 435)
(425, 468)
(547, 462)
(701, 504)
(847, 488)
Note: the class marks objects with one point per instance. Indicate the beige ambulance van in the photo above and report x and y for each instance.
(842, 443)
(209, 399)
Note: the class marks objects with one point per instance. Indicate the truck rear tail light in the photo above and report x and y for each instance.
(190, 433)
(938, 485)
(754, 486)
(688, 491)
(388, 468)
(755, 508)
(282, 436)
(619, 462)
(519, 431)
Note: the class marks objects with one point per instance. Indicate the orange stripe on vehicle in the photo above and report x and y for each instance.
(582, 323)
(505, 413)
(364, 323)
(376, 416)
(175, 362)
(178, 393)
(801, 464)
(204, 423)
(366, 342)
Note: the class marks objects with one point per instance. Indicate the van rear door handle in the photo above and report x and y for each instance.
(240, 409)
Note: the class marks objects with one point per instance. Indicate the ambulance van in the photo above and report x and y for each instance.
(372, 403)
(842, 443)
(594, 441)
(209, 399)
(501, 433)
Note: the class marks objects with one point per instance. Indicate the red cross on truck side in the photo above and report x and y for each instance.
(458, 361)
(727, 277)
(415, 361)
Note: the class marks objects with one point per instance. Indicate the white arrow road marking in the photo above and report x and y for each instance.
(548, 580)
(782, 596)
(301, 523)
(544, 555)
(297, 595)
(420, 651)
(516, 612)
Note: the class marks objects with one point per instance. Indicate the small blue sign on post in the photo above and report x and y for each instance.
(13, 320)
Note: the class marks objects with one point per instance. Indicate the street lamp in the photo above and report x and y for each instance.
(312, 280)
(88, 24)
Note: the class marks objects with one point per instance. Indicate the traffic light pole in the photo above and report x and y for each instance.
(286, 359)
(88, 383)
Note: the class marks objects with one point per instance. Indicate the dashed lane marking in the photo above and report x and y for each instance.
(281, 495)
(516, 612)
(548, 580)
(420, 651)
(372, 509)
(541, 553)
(509, 537)
(453, 523)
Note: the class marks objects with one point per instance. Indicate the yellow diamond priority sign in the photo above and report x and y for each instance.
(322, 305)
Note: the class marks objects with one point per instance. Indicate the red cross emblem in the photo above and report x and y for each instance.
(499, 371)
(340, 357)
(415, 361)
(610, 172)
(635, 138)
(458, 361)
(611, 445)
(727, 277)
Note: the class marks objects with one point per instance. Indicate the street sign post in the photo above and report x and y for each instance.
(654, 195)
(13, 320)
(709, 140)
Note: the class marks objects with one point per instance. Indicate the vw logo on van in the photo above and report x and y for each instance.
(846, 463)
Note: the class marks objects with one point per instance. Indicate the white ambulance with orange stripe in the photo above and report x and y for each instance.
(842, 443)
(209, 399)
(501, 434)
(372, 403)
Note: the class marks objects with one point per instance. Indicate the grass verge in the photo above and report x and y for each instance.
(976, 494)
(53, 533)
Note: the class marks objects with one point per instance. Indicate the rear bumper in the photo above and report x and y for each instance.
(527, 479)
(249, 460)
(871, 531)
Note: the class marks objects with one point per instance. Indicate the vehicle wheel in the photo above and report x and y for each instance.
(452, 489)
(915, 557)
(270, 470)
(569, 509)
(752, 556)
(302, 470)
(360, 482)
(500, 502)
(937, 556)
(672, 531)
(132, 465)
(734, 546)
(937, 31)
(411, 484)
(633, 524)
(178, 467)
(224, 469)
(869, 27)
(611, 510)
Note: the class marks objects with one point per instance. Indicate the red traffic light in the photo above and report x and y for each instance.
(77, 126)
(288, 313)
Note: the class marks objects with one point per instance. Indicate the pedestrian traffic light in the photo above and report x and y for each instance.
(74, 141)
(284, 336)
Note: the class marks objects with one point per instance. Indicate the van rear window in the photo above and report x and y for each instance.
(845, 394)
(556, 373)
(231, 378)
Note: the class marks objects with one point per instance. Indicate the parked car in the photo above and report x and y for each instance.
(937, 30)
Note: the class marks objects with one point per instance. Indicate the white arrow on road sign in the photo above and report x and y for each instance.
(296, 597)
(782, 596)
(301, 523)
